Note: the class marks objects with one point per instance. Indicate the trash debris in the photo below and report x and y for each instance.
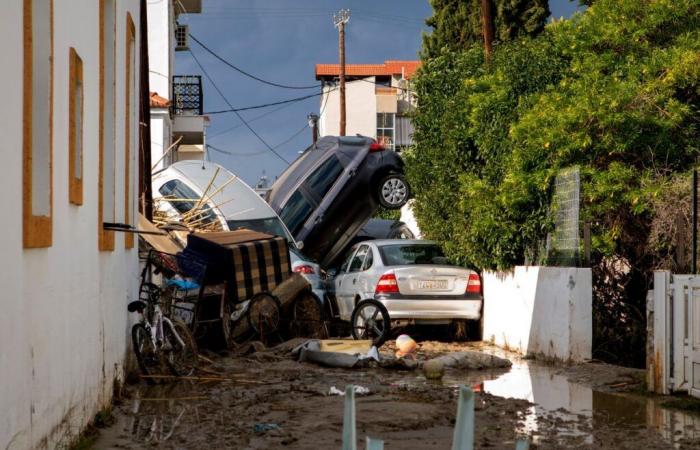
(470, 360)
(311, 351)
(359, 390)
(405, 346)
(346, 346)
(434, 369)
(261, 428)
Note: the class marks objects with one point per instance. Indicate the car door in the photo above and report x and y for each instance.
(343, 294)
(352, 283)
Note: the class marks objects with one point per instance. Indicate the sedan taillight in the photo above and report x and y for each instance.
(305, 269)
(474, 284)
(387, 284)
(376, 147)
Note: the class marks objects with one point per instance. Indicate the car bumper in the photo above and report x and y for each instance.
(432, 309)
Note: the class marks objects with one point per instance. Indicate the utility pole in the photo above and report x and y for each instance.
(313, 124)
(340, 19)
(487, 23)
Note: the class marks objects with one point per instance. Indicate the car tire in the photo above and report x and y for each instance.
(393, 191)
(379, 323)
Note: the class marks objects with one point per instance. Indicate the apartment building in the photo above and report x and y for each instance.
(70, 154)
(378, 100)
(176, 100)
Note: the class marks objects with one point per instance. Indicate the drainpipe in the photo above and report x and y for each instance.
(145, 186)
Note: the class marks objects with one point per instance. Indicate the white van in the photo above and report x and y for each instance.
(232, 203)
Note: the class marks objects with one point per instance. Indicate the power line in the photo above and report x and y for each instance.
(249, 75)
(265, 114)
(289, 139)
(266, 105)
(206, 74)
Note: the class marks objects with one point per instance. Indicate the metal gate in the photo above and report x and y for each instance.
(674, 318)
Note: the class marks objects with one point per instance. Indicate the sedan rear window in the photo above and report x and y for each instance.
(321, 180)
(410, 254)
(296, 211)
(184, 199)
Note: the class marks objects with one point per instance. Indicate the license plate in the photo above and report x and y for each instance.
(432, 284)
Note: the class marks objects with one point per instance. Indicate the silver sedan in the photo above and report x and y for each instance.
(411, 279)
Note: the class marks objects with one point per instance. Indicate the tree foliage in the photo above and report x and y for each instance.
(614, 91)
(457, 23)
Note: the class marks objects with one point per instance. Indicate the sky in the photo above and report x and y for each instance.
(281, 41)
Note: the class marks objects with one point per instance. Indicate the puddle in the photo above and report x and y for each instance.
(575, 408)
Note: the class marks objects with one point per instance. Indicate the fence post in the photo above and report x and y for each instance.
(349, 435)
(522, 444)
(464, 425)
(374, 444)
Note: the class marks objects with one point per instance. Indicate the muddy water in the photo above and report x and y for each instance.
(579, 408)
(404, 408)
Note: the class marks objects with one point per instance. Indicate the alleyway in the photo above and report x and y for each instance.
(403, 408)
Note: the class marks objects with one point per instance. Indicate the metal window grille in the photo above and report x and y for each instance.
(563, 243)
(181, 41)
(187, 95)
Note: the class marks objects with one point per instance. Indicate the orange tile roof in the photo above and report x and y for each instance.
(159, 102)
(408, 68)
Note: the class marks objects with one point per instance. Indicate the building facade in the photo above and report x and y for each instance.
(176, 100)
(70, 126)
(378, 99)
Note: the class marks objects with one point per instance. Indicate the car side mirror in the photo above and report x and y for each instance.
(300, 245)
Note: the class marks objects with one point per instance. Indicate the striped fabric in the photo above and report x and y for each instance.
(248, 267)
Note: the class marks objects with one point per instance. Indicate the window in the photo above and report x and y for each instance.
(106, 170)
(368, 260)
(184, 199)
(409, 254)
(75, 130)
(346, 262)
(37, 205)
(181, 37)
(385, 129)
(358, 259)
(321, 180)
(296, 211)
(129, 124)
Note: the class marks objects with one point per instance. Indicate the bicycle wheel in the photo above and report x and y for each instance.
(264, 314)
(145, 350)
(180, 359)
(307, 317)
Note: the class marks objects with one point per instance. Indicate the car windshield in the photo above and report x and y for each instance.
(269, 225)
(184, 200)
(410, 254)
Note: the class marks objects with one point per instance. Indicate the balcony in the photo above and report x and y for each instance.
(187, 98)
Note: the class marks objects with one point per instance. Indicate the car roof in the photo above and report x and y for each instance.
(235, 199)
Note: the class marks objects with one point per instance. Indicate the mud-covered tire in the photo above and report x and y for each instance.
(181, 361)
(264, 314)
(370, 320)
(308, 317)
(393, 191)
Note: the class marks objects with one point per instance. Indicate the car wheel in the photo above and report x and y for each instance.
(370, 320)
(393, 191)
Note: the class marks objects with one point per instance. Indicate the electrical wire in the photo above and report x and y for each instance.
(265, 114)
(211, 80)
(289, 139)
(243, 72)
(266, 105)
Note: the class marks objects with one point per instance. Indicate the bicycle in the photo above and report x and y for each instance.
(159, 341)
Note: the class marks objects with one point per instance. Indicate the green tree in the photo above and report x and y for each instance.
(457, 24)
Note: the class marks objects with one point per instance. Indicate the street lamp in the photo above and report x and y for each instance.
(313, 124)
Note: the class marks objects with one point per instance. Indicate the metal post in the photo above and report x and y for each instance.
(374, 444)
(695, 222)
(313, 124)
(340, 20)
(463, 438)
(349, 434)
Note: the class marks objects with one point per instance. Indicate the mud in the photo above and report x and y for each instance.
(585, 406)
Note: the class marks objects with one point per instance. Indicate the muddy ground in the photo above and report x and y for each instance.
(585, 406)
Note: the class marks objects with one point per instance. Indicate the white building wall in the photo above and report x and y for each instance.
(543, 311)
(63, 327)
(161, 51)
(361, 110)
(160, 137)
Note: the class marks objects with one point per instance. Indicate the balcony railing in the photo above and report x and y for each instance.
(187, 95)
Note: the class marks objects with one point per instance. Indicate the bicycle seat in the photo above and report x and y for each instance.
(136, 305)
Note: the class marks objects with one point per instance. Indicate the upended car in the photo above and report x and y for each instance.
(394, 282)
(335, 186)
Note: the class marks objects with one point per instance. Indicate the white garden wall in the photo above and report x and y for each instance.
(541, 311)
